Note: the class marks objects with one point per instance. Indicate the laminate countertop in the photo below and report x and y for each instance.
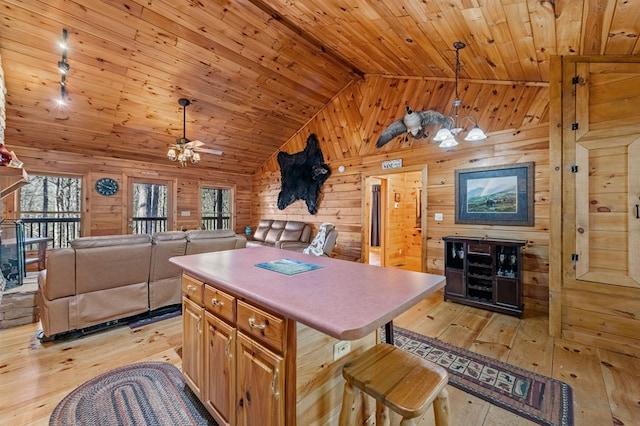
(343, 299)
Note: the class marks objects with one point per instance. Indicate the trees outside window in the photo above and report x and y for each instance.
(50, 206)
(216, 207)
(150, 206)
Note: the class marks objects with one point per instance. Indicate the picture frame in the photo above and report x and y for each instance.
(495, 195)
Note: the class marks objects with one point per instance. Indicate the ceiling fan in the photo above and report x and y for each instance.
(185, 150)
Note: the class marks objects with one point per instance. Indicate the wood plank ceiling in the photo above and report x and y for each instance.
(257, 70)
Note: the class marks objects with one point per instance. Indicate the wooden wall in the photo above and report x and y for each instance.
(516, 117)
(108, 215)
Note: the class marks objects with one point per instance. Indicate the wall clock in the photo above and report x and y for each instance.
(107, 186)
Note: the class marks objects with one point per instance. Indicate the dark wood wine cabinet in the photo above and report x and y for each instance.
(484, 272)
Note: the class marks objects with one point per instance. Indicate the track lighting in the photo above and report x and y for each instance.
(63, 67)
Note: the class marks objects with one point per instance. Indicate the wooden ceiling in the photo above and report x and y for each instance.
(257, 70)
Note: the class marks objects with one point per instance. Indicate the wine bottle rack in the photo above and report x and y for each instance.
(484, 272)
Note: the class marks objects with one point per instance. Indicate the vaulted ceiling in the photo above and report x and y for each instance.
(257, 70)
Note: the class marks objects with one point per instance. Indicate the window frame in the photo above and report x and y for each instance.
(57, 242)
(232, 203)
(169, 183)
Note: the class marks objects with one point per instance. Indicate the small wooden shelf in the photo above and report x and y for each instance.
(485, 273)
(12, 179)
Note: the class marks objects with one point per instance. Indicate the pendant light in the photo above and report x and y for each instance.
(447, 137)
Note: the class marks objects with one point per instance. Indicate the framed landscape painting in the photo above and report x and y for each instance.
(496, 195)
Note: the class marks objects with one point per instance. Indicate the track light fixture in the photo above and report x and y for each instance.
(63, 67)
(447, 137)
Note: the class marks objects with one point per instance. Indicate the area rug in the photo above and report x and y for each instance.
(538, 398)
(147, 393)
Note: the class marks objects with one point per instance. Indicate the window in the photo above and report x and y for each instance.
(149, 208)
(216, 207)
(50, 206)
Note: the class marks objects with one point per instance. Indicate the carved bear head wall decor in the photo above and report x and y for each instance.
(302, 175)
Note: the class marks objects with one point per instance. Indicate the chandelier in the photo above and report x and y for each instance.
(183, 150)
(447, 137)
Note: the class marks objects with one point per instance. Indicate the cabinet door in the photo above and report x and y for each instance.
(455, 285)
(219, 369)
(192, 316)
(260, 396)
(508, 292)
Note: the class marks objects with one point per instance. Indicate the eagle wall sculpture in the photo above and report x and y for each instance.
(413, 123)
(302, 175)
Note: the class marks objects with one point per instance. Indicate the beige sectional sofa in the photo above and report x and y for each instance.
(277, 233)
(98, 280)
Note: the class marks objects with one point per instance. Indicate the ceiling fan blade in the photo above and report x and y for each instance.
(210, 151)
(194, 144)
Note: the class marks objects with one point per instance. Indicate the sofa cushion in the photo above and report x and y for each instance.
(293, 231)
(168, 236)
(61, 269)
(165, 246)
(263, 228)
(109, 240)
(164, 277)
(214, 233)
(272, 236)
(102, 267)
(214, 240)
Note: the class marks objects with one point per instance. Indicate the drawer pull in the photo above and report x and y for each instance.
(227, 348)
(252, 324)
(216, 302)
(198, 328)
(274, 381)
(191, 288)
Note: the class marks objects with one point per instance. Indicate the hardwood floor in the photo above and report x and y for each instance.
(34, 376)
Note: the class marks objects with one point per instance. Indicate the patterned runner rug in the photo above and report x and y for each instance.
(538, 398)
(147, 393)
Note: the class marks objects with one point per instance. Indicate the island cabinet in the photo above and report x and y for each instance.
(484, 272)
(250, 366)
(192, 342)
(219, 355)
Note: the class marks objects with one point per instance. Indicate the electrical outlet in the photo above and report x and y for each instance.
(340, 349)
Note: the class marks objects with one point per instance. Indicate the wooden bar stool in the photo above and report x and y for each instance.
(398, 381)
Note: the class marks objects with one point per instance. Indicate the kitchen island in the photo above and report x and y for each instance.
(265, 347)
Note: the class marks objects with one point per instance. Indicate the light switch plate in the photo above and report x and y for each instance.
(439, 216)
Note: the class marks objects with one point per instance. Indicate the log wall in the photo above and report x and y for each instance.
(108, 215)
(516, 117)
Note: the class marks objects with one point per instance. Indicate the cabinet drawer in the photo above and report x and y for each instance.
(192, 289)
(479, 249)
(220, 303)
(262, 326)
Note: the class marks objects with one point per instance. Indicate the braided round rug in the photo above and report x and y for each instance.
(147, 393)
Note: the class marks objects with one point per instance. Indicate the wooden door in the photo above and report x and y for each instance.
(260, 399)
(192, 316)
(601, 202)
(220, 369)
(606, 153)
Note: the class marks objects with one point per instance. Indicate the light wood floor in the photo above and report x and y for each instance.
(34, 377)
